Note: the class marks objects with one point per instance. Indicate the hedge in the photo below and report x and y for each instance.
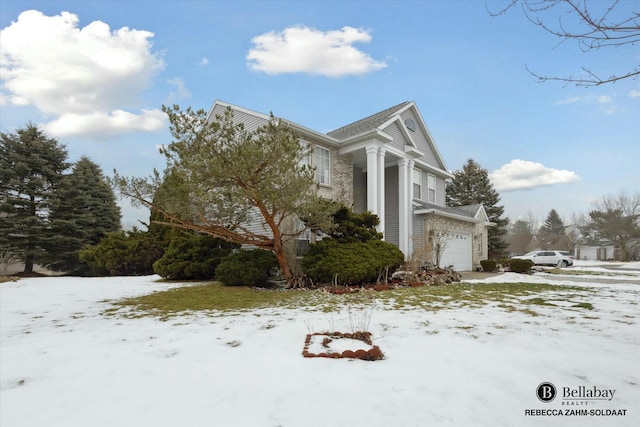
(520, 265)
(190, 257)
(246, 268)
(350, 263)
(488, 265)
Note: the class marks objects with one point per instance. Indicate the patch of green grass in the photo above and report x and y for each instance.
(539, 301)
(215, 298)
(586, 305)
(210, 296)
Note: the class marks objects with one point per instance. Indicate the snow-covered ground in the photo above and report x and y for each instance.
(64, 363)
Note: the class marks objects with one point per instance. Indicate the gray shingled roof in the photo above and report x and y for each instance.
(467, 210)
(368, 123)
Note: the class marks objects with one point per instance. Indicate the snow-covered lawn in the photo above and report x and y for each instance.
(63, 362)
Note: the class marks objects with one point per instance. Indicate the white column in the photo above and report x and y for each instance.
(409, 205)
(372, 179)
(381, 186)
(403, 206)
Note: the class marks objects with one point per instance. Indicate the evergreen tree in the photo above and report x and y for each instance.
(232, 176)
(349, 226)
(84, 211)
(520, 237)
(471, 186)
(551, 234)
(31, 167)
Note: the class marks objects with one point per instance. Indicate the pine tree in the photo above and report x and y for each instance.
(31, 166)
(471, 186)
(232, 176)
(551, 234)
(83, 212)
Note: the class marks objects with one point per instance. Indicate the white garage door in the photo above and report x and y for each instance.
(457, 251)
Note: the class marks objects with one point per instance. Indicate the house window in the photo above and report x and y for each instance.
(302, 244)
(417, 184)
(305, 160)
(431, 187)
(322, 165)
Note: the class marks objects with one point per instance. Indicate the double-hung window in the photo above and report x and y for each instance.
(322, 164)
(431, 188)
(305, 160)
(417, 184)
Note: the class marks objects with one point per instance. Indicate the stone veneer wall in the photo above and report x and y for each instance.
(341, 187)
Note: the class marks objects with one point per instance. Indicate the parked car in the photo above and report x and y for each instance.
(556, 258)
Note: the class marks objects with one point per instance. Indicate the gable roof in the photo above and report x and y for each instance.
(464, 213)
(368, 123)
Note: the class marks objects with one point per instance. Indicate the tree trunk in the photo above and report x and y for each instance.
(283, 261)
(28, 262)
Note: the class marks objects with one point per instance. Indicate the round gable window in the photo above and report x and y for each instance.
(410, 124)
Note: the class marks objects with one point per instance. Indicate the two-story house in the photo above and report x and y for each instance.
(388, 163)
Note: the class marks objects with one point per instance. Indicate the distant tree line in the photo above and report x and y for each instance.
(613, 219)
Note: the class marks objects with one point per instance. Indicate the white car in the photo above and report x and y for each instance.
(556, 258)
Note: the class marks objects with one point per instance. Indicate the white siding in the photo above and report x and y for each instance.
(251, 122)
(398, 138)
(421, 140)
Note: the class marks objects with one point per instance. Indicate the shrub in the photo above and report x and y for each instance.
(352, 263)
(246, 267)
(488, 265)
(520, 265)
(194, 256)
(122, 253)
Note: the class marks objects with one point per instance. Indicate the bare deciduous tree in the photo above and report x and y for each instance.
(615, 217)
(6, 259)
(592, 27)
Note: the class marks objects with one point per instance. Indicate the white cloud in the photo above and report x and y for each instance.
(523, 175)
(307, 50)
(570, 100)
(181, 91)
(612, 109)
(605, 99)
(634, 93)
(105, 124)
(203, 61)
(77, 73)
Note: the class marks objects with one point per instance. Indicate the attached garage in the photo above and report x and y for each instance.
(465, 229)
(458, 251)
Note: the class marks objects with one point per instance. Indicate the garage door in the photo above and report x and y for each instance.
(457, 251)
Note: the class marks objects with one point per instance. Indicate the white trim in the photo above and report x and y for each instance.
(381, 189)
(416, 173)
(431, 176)
(320, 170)
(372, 179)
(445, 214)
(433, 169)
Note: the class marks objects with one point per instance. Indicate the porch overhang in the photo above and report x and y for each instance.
(450, 215)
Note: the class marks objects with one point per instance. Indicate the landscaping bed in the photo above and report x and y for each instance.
(338, 345)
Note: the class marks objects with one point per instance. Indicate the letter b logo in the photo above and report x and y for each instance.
(546, 392)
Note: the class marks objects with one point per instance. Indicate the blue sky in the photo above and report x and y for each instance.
(94, 74)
